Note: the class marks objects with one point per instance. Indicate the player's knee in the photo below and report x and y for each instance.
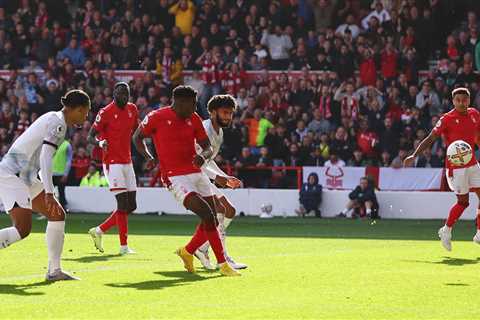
(132, 207)
(209, 223)
(23, 230)
(463, 203)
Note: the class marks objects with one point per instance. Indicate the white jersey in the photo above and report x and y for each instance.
(23, 157)
(216, 139)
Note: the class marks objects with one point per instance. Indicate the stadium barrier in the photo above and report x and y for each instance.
(393, 204)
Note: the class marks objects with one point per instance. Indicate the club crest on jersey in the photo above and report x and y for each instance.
(145, 121)
(169, 122)
(59, 129)
(189, 122)
(115, 116)
(129, 114)
(98, 118)
(457, 121)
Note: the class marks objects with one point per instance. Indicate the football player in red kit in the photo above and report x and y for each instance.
(112, 131)
(174, 131)
(461, 123)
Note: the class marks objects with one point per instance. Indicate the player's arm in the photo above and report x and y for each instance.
(94, 138)
(424, 145)
(213, 171)
(139, 142)
(205, 155)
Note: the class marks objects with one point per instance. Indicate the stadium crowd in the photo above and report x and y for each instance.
(358, 98)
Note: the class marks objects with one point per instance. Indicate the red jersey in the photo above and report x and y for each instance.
(174, 139)
(456, 126)
(117, 125)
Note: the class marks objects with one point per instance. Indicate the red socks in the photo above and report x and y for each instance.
(122, 223)
(215, 242)
(199, 238)
(455, 213)
(203, 233)
(109, 222)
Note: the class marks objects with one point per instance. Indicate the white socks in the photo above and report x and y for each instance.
(55, 236)
(9, 236)
(98, 230)
(368, 211)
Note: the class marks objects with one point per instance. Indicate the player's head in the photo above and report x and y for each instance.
(77, 105)
(221, 108)
(184, 101)
(121, 93)
(461, 98)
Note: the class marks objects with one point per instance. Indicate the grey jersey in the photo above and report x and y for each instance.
(23, 157)
(216, 140)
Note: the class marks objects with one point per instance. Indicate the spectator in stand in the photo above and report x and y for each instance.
(94, 178)
(428, 101)
(398, 161)
(349, 26)
(380, 13)
(169, 69)
(278, 43)
(74, 53)
(246, 159)
(62, 163)
(80, 163)
(184, 12)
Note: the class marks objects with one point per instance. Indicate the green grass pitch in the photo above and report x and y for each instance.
(299, 269)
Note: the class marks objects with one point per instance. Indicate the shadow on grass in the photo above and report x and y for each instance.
(22, 289)
(179, 278)
(457, 284)
(102, 257)
(449, 261)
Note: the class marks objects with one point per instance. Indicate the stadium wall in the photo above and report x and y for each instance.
(393, 204)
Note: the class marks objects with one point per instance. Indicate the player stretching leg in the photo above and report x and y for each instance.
(174, 131)
(22, 192)
(461, 123)
(221, 109)
(112, 131)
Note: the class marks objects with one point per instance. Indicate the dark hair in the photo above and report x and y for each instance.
(75, 98)
(184, 92)
(221, 101)
(121, 83)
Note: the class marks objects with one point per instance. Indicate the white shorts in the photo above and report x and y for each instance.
(14, 190)
(120, 177)
(182, 186)
(463, 179)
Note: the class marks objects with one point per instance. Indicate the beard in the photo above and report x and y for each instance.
(222, 123)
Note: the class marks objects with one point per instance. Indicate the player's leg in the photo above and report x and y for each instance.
(202, 252)
(113, 173)
(229, 212)
(474, 181)
(368, 208)
(130, 196)
(20, 229)
(54, 235)
(15, 197)
(458, 182)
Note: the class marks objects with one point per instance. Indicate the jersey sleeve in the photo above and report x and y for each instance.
(100, 121)
(199, 130)
(56, 130)
(148, 124)
(440, 127)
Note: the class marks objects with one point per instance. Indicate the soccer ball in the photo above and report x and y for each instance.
(459, 153)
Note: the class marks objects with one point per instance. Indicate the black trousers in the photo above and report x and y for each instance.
(57, 181)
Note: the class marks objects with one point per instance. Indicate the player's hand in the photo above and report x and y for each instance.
(408, 162)
(103, 144)
(53, 207)
(151, 163)
(234, 183)
(198, 161)
(221, 181)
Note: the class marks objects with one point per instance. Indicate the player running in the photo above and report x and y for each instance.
(174, 131)
(112, 131)
(221, 109)
(22, 192)
(461, 123)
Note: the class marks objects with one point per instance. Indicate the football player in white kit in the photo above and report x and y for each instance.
(22, 192)
(221, 109)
